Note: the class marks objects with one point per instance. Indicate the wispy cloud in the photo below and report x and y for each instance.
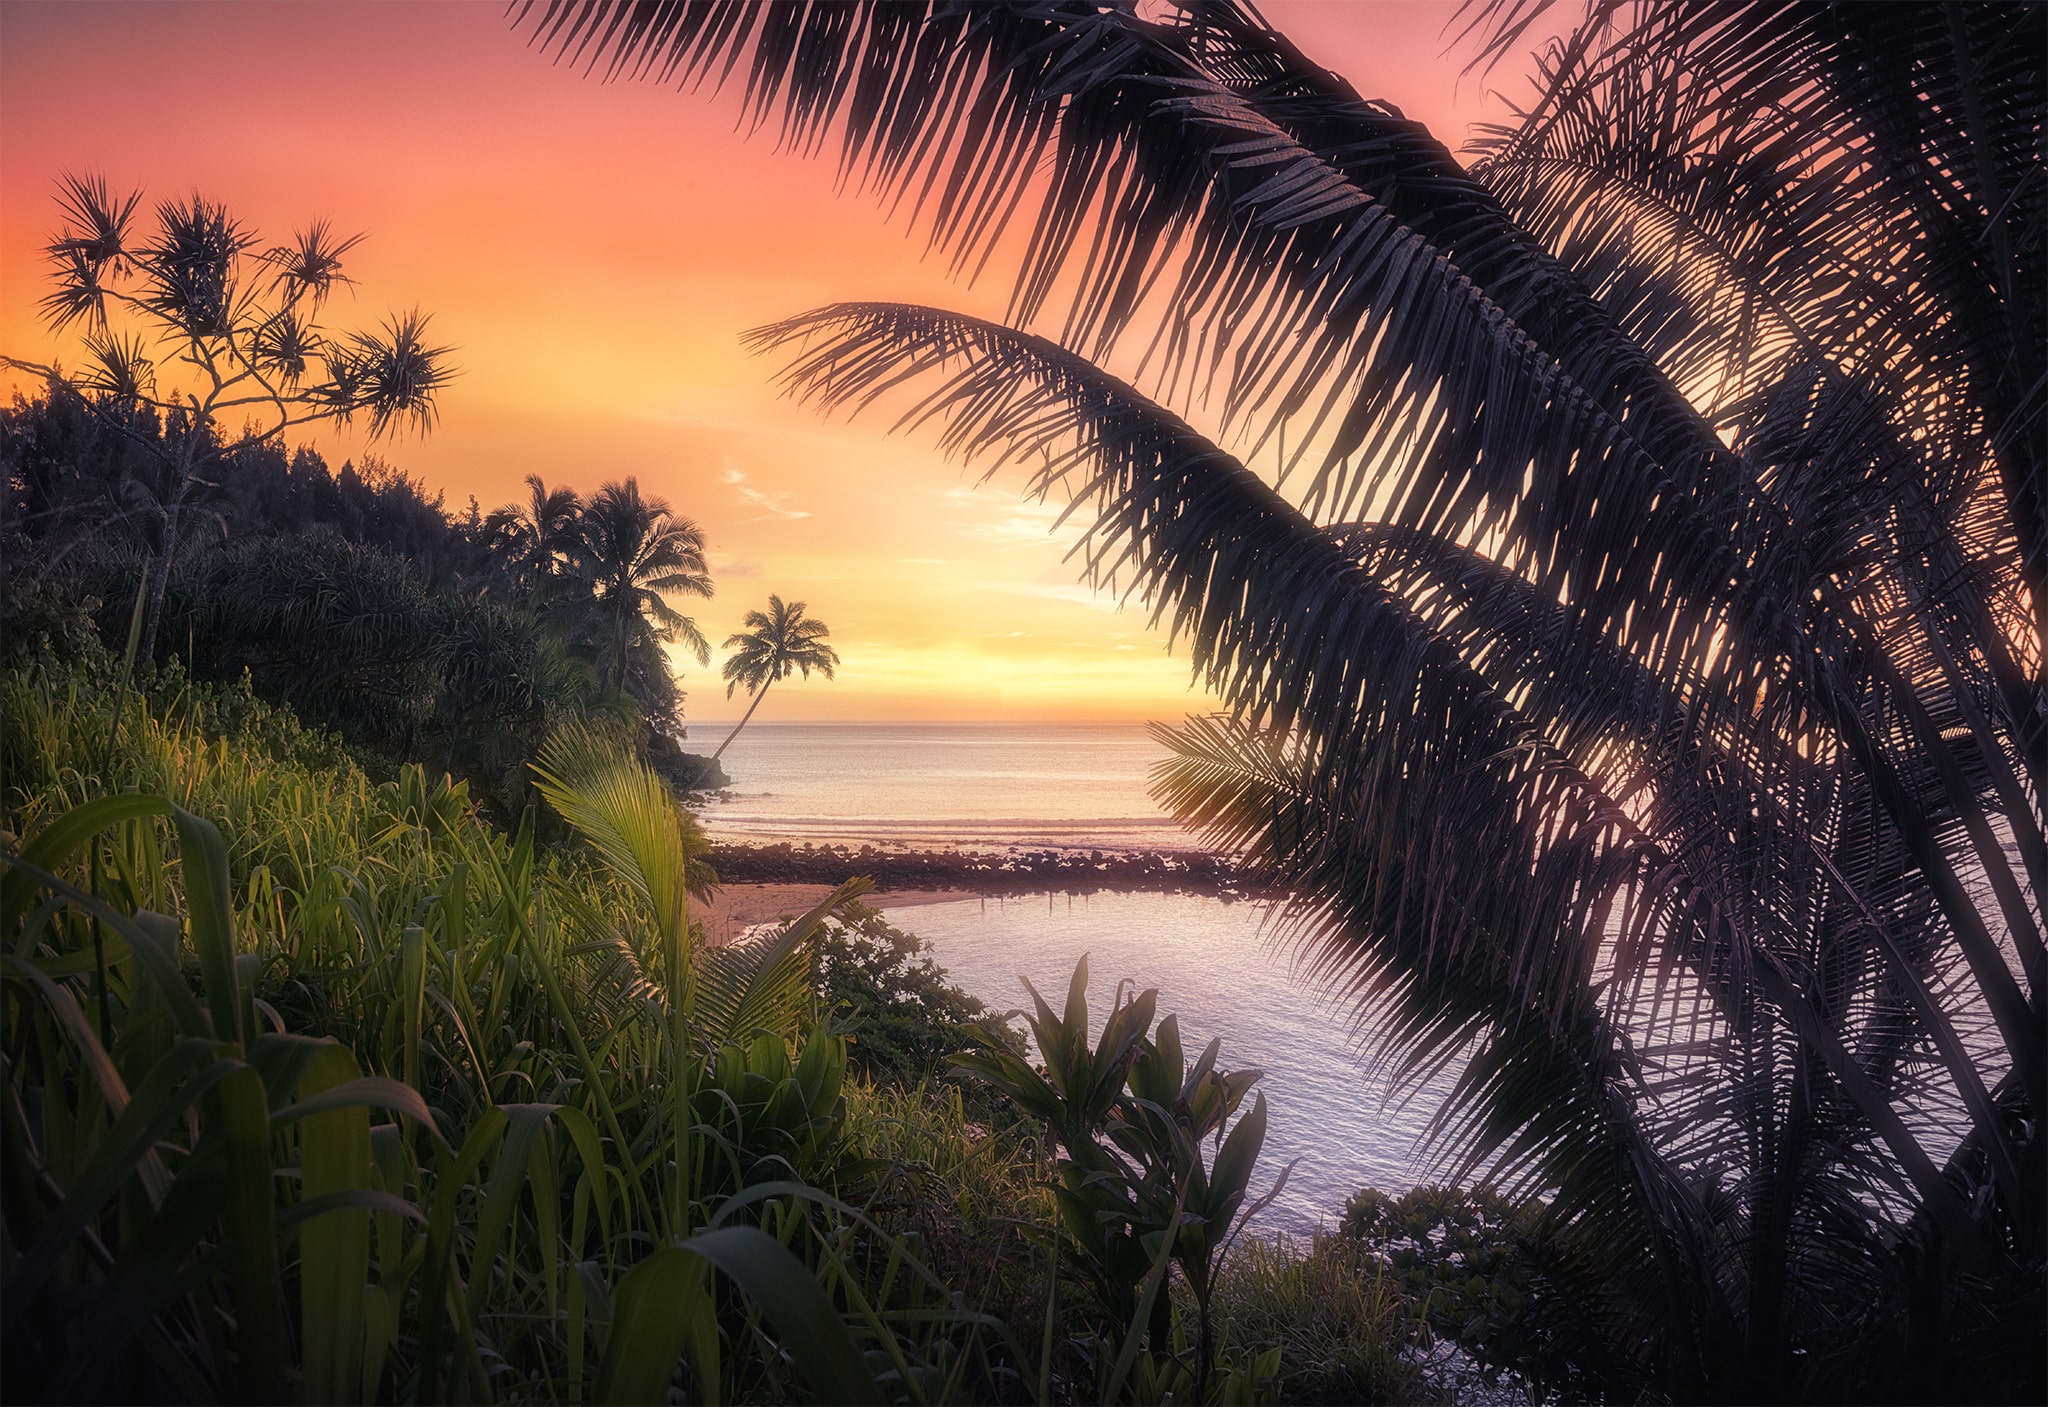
(1072, 592)
(1009, 522)
(737, 566)
(773, 505)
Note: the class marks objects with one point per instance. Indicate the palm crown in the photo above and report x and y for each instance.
(539, 535)
(633, 553)
(774, 644)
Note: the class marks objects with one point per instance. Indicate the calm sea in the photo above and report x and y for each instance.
(1215, 963)
(939, 784)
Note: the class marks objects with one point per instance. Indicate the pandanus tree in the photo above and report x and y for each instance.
(1626, 590)
(194, 327)
(775, 644)
(632, 554)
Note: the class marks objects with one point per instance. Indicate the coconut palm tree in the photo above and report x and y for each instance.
(633, 553)
(536, 537)
(1633, 662)
(774, 643)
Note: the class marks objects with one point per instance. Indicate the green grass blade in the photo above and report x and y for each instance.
(169, 1089)
(651, 1320)
(361, 1092)
(501, 1194)
(652, 1311)
(808, 1325)
(210, 909)
(49, 847)
(252, 1235)
(334, 1248)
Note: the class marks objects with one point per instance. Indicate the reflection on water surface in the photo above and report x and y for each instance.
(1213, 967)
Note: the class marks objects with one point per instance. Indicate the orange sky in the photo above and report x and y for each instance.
(595, 251)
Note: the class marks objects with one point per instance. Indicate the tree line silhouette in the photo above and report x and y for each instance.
(415, 633)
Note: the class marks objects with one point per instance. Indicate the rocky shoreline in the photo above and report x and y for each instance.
(1013, 871)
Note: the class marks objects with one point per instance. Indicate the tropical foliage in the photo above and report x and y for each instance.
(631, 554)
(317, 1089)
(194, 325)
(1627, 595)
(353, 596)
(368, 947)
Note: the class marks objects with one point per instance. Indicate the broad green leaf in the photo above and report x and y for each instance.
(252, 1235)
(647, 1335)
(334, 1248)
(49, 847)
(212, 921)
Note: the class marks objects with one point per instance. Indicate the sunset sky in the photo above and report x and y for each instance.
(595, 251)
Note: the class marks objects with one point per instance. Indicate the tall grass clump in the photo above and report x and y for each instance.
(1339, 1322)
(322, 1088)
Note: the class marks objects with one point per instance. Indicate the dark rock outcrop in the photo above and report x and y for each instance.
(1015, 871)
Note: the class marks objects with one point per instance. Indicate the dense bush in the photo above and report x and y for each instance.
(1467, 1257)
(893, 1001)
(352, 595)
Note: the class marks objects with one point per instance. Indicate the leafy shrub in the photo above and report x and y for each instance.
(883, 989)
(1472, 1260)
(540, 1219)
(1338, 1318)
(40, 625)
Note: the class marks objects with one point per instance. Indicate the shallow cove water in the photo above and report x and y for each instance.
(997, 786)
(1326, 1113)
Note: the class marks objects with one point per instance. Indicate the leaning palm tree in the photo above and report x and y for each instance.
(632, 554)
(536, 537)
(1633, 661)
(775, 643)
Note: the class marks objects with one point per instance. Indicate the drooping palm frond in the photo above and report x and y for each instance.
(1670, 727)
(1281, 276)
(1585, 464)
(767, 983)
(1920, 128)
(629, 817)
(1491, 823)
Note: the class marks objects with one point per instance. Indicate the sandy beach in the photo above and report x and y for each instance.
(734, 908)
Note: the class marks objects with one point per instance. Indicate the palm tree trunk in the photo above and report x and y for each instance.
(742, 723)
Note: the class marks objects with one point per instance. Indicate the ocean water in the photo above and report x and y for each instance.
(980, 785)
(1214, 962)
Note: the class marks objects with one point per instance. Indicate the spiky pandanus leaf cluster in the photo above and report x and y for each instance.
(194, 324)
(1634, 668)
